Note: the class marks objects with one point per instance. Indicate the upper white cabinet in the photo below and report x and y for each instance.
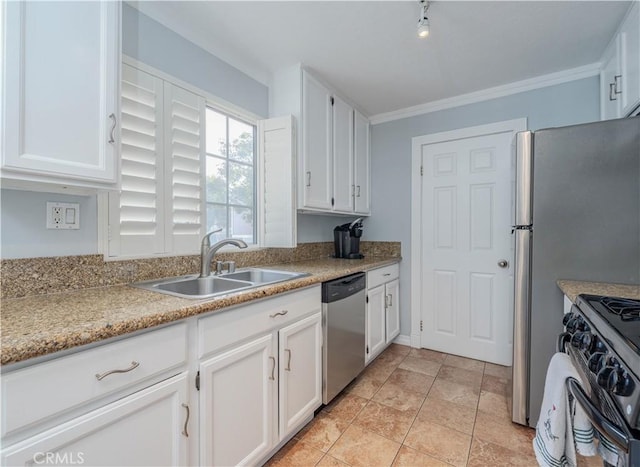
(333, 144)
(60, 106)
(620, 73)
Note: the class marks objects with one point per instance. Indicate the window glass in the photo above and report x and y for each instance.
(230, 173)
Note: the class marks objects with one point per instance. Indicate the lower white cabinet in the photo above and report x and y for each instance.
(300, 375)
(149, 427)
(383, 310)
(237, 404)
(256, 393)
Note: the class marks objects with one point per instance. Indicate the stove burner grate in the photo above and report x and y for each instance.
(628, 310)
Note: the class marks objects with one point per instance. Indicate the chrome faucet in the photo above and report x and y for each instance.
(207, 251)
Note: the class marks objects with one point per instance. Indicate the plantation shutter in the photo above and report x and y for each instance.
(136, 217)
(184, 167)
(276, 185)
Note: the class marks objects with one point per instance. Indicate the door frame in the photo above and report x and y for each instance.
(513, 126)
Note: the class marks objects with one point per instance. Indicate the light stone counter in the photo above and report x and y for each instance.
(574, 288)
(39, 325)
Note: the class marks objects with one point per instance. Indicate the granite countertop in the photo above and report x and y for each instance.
(38, 325)
(574, 288)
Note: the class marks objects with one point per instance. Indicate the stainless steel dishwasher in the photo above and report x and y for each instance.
(343, 318)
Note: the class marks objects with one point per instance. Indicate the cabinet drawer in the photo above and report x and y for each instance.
(237, 324)
(379, 276)
(45, 390)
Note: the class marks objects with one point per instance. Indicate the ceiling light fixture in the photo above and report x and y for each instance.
(423, 21)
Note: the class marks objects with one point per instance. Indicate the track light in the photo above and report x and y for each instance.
(423, 21)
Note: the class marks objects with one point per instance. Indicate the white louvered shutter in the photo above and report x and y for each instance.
(136, 217)
(276, 186)
(184, 130)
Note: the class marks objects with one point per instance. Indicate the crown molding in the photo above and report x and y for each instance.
(516, 87)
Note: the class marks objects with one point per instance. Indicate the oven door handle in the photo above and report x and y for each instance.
(562, 339)
(610, 431)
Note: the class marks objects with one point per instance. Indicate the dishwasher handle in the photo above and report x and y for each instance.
(343, 287)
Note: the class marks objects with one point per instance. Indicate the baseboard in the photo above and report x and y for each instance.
(402, 340)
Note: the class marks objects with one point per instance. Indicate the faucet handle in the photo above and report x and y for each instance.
(231, 266)
(219, 266)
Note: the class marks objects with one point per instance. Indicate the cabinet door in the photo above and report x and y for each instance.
(630, 60)
(316, 144)
(237, 404)
(375, 322)
(343, 187)
(392, 298)
(150, 427)
(61, 68)
(300, 352)
(362, 157)
(609, 99)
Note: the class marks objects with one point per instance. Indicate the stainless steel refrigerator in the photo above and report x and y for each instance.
(577, 216)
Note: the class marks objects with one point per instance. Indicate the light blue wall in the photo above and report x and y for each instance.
(23, 231)
(155, 45)
(559, 105)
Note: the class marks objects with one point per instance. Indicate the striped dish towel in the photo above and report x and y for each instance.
(562, 428)
(609, 452)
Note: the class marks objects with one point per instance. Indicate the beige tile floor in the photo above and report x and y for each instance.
(416, 407)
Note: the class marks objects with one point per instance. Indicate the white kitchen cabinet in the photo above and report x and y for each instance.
(316, 161)
(260, 376)
(342, 156)
(238, 390)
(383, 310)
(89, 404)
(150, 427)
(333, 148)
(60, 106)
(361, 159)
(300, 375)
(620, 73)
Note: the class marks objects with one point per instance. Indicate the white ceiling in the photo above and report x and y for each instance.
(370, 50)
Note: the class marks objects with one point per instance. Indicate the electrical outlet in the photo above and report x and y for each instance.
(63, 215)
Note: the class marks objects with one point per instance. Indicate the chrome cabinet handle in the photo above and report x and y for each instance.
(288, 368)
(612, 96)
(387, 274)
(280, 313)
(353, 190)
(133, 366)
(112, 138)
(390, 300)
(273, 369)
(357, 191)
(308, 178)
(616, 82)
(186, 422)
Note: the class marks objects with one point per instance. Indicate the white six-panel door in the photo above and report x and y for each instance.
(466, 233)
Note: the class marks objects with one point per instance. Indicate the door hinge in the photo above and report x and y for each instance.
(421, 170)
(420, 325)
(367, 298)
(198, 381)
(333, 201)
(331, 99)
(367, 350)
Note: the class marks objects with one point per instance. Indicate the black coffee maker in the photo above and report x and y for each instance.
(347, 240)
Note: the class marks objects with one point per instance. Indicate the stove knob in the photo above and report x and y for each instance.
(596, 362)
(598, 345)
(586, 340)
(575, 324)
(621, 383)
(567, 317)
(604, 376)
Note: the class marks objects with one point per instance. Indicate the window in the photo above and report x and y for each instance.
(230, 176)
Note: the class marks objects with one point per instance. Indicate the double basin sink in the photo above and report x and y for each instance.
(194, 286)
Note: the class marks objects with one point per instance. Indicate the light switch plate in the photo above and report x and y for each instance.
(62, 216)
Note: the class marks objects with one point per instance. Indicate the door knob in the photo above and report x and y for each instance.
(503, 263)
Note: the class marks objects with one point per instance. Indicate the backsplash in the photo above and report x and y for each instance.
(35, 276)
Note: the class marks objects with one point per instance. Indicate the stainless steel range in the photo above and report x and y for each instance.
(603, 339)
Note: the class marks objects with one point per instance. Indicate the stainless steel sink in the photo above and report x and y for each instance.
(193, 286)
(261, 276)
